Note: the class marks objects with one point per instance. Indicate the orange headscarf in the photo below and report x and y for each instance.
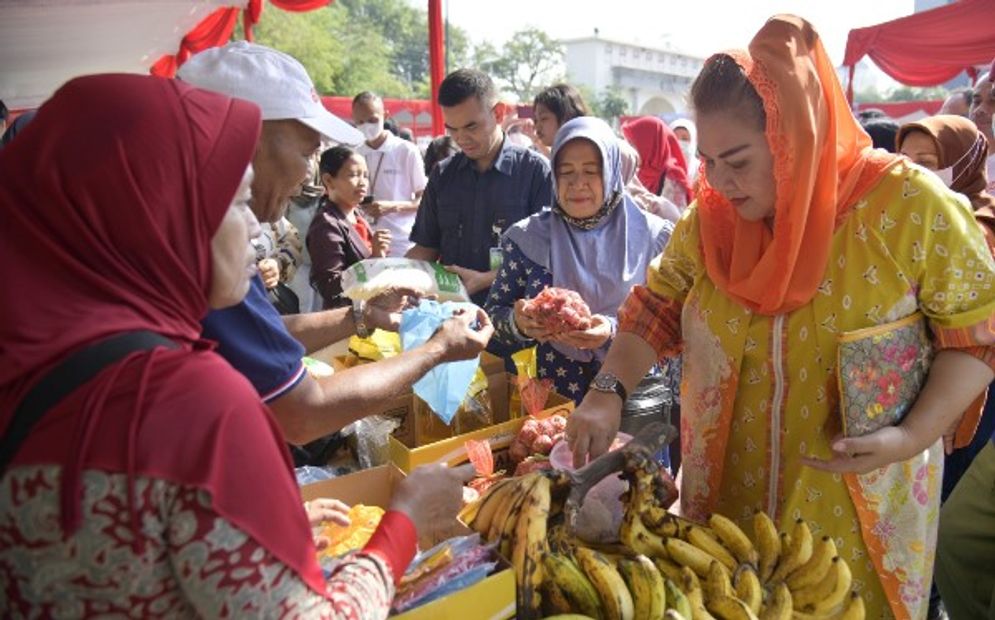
(823, 164)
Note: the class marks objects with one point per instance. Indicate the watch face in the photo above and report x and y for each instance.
(605, 382)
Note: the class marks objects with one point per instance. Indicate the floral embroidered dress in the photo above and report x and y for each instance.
(759, 392)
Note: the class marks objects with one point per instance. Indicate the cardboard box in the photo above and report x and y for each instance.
(492, 598)
(408, 451)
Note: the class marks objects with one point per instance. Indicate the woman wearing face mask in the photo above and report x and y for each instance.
(953, 148)
(687, 136)
(566, 246)
(802, 235)
(339, 236)
(662, 168)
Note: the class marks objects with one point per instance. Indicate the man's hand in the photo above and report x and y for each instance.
(269, 270)
(376, 209)
(384, 310)
(474, 281)
(459, 340)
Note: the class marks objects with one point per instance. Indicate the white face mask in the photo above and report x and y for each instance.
(687, 150)
(371, 131)
(946, 175)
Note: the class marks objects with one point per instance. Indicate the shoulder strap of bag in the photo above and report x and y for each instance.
(73, 372)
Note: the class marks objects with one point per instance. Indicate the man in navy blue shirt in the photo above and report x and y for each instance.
(475, 195)
(252, 336)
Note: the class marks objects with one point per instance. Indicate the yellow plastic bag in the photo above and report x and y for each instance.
(380, 345)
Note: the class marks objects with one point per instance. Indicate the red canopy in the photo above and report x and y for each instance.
(217, 27)
(927, 48)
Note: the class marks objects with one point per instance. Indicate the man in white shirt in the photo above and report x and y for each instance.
(982, 111)
(397, 173)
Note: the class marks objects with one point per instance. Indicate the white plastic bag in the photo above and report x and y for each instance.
(374, 276)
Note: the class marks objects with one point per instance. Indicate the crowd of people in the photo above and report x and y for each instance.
(153, 377)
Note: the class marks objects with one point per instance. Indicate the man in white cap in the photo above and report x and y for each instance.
(252, 336)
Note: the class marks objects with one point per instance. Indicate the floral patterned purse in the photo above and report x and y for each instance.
(881, 370)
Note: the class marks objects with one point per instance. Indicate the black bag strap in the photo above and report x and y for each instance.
(73, 372)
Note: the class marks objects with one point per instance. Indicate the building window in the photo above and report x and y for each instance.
(608, 48)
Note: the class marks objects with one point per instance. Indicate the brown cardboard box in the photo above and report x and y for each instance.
(493, 598)
(408, 449)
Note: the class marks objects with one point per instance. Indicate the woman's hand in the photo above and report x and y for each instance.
(592, 427)
(594, 337)
(269, 271)
(381, 243)
(860, 455)
(431, 496)
(325, 509)
(527, 325)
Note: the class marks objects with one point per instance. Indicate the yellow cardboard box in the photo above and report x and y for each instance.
(492, 598)
(407, 451)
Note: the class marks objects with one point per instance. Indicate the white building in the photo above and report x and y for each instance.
(655, 81)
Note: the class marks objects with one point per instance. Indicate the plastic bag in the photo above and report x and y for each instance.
(532, 392)
(372, 438)
(309, 474)
(374, 276)
(444, 387)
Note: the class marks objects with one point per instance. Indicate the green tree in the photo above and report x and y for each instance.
(529, 61)
(913, 93)
(610, 104)
(341, 59)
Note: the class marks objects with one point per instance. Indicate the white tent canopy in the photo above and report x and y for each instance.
(43, 43)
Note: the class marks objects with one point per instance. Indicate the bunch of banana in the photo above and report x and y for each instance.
(514, 514)
(723, 572)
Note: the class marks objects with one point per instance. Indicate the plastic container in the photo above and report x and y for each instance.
(601, 513)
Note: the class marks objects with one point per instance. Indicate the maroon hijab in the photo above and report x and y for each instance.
(109, 201)
(660, 154)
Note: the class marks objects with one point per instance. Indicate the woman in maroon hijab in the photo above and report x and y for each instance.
(662, 168)
(160, 487)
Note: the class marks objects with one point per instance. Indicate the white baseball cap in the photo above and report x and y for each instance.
(274, 81)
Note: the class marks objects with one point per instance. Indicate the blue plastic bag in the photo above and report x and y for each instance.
(444, 387)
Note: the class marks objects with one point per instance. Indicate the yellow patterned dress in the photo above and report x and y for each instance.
(760, 393)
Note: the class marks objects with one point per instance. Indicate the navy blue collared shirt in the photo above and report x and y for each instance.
(463, 211)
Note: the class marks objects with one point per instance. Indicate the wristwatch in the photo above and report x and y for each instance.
(609, 383)
(357, 317)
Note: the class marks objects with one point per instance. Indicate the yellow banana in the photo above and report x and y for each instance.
(710, 545)
(716, 584)
(730, 608)
(813, 571)
(806, 598)
(663, 523)
(506, 528)
(673, 614)
(688, 555)
(797, 553)
(507, 501)
(768, 545)
(616, 602)
(676, 599)
(645, 585)
(733, 538)
(668, 569)
(529, 547)
(854, 609)
(486, 506)
(634, 535)
(572, 582)
(838, 597)
(748, 588)
(692, 589)
(779, 604)
(553, 600)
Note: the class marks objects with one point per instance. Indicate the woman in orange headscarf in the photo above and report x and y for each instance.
(800, 236)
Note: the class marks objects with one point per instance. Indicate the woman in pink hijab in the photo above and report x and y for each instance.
(662, 168)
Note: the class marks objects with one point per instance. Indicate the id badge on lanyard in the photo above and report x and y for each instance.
(495, 251)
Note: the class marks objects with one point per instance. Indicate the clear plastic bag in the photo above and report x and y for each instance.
(372, 435)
